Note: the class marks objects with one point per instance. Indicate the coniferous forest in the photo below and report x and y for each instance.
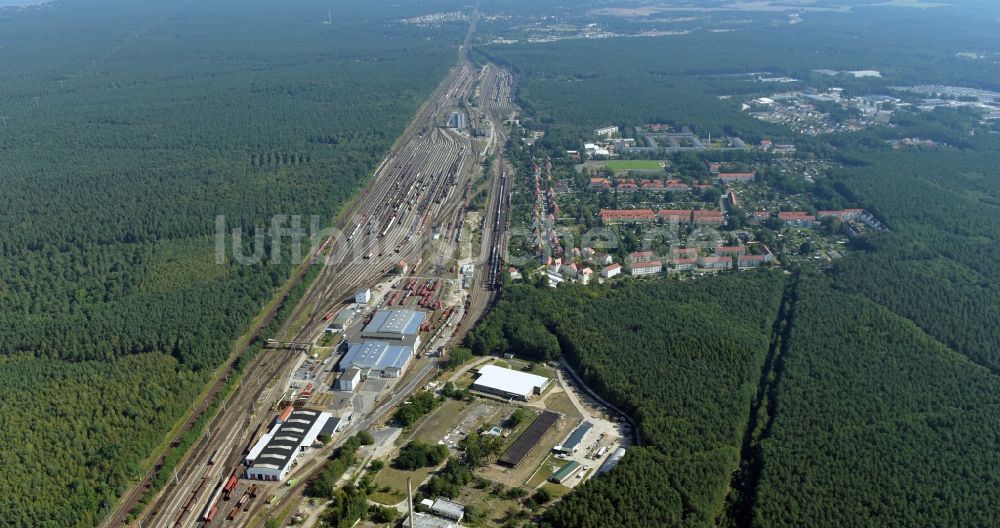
(128, 126)
(682, 358)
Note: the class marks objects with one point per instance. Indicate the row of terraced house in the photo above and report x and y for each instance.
(689, 259)
(653, 185)
(679, 216)
(671, 185)
(804, 219)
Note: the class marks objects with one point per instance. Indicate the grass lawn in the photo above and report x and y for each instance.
(390, 483)
(439, 422)
(540, 370)
(493, 506)
(447, 373)
(557, 490)
(559, 402)
(464, 381)
(623, 165)
(550, 465)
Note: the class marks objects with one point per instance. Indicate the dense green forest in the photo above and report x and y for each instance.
(944, 208)
(879, 424)
(683, 358)
(128, 126)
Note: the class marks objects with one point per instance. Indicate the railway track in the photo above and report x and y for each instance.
(120, 514)
(482, 297)
(216, 459)
(422, 185)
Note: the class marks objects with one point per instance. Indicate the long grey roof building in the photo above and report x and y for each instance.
(271, 458)
(387, 358)
(395, 325)
(575, 438)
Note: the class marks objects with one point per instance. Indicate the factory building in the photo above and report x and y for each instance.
(334, 424)
(387, 359)
(340, 321)
(272, 456)
(529, 439)
(285, 414)
(448, 509)
(509, 383)
(386, 346)
(400, 325)
(426, 520)
(349, 380)
(362, 296)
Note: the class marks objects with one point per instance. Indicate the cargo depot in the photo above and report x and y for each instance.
(386, 346)
(509, 383)
(294, 431)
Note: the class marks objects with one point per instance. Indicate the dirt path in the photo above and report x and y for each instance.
(454, 377)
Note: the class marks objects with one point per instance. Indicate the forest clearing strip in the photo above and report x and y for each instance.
(746, 477)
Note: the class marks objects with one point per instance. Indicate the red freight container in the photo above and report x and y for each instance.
(228, 488)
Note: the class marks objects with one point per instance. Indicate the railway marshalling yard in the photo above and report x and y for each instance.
(413, 210)
(410, 229)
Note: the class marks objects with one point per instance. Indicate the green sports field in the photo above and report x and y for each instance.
(623, 165)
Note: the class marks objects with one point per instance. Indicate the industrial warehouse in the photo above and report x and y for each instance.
(612, 461)
(349, 380)
(529, 439)
(388, 343)
(509, 383)
(381, 357)
(395, 325)
(564, 473)
(272, 456)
